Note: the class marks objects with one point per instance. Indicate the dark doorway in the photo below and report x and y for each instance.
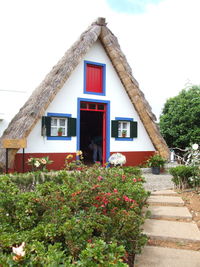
(91, 126)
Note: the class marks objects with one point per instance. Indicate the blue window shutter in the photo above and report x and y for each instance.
(71, 127)
(133, 129)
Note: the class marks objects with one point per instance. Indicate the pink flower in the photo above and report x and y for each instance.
(126, 198)
(115, 190)
(134, 180)
(100, 178)
(123, 177)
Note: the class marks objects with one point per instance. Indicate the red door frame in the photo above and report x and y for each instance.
(97, 107)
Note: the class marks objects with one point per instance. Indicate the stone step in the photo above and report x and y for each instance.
(166, 212)
(167, 257)
(166, 200)
(171, 231)
(164, 193)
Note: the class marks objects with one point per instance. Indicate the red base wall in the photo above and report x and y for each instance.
(133, 158)
(57, 158)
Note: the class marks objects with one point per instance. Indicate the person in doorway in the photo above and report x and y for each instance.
(96, 146)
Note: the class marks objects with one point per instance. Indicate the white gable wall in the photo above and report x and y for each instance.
(66, 102)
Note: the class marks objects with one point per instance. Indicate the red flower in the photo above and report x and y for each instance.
(134, 180)
(115, 190)
(89, 241)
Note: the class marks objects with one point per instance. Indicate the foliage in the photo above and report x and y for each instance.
(192, 155)
(39, 163)
(188, 175)
(132, 170)
(180, 119)
(156, 161)
(185, 176)
(74, 218)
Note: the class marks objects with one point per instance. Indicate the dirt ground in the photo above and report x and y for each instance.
(192, 202)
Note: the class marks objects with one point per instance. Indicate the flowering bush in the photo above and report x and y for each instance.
(188, 175)
(117, 159)
(90, 218)
(39, 163)
(75, 164)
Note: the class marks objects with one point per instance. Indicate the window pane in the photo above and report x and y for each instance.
(92, 106)
(53, 122)
(62, 122)
(54, 131)
(83, 105)
(124, 125)
(100, 107)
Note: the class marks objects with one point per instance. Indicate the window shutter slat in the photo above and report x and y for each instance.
(114, 130)
(71, 127)
(133, 129)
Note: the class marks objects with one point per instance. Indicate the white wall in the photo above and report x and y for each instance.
(66, 102)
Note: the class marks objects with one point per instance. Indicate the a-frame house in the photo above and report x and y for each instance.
(90, 92)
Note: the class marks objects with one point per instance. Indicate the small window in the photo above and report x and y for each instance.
(124, 129)
(58, 126)
(94, 78)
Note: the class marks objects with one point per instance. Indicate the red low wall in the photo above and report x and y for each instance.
(133, 158)
(57, 158)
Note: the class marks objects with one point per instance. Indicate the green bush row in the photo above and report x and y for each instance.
(185, 176)
(90, 218)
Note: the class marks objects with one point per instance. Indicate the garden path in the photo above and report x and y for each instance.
(173, 235)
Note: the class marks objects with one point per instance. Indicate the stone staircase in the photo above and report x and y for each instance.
(170, 223)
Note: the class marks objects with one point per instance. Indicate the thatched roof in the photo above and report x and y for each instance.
(24, 121)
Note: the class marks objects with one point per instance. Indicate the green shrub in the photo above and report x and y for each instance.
(132, 170)
(185, 176)
(88, 218)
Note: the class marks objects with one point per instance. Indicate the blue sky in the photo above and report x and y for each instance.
(131, 6)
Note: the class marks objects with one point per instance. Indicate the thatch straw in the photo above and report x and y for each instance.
(24, 121)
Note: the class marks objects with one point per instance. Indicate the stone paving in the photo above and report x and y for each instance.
(158, 182)
(159, 227)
